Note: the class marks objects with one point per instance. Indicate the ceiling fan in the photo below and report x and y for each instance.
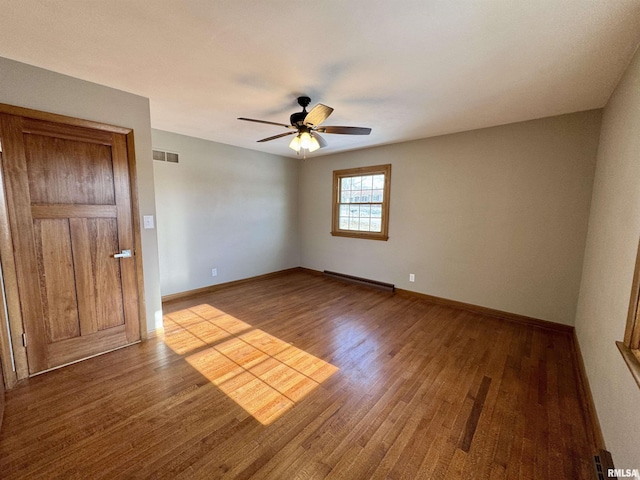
(306, 127)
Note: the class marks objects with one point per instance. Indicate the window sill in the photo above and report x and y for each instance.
(360, 235)
(631, 359)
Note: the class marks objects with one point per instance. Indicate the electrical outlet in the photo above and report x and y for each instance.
(412, 277)
(214, 272)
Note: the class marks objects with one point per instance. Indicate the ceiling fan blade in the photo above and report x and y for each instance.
(345, 130)
(321, 141)
(265, 121)
(317, 115)
(277, 136)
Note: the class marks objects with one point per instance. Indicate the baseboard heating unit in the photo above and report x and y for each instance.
(387, 287)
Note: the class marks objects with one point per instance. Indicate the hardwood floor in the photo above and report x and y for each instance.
(301, 376)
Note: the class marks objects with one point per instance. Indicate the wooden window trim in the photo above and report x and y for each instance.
(335, 210)
(630, 347)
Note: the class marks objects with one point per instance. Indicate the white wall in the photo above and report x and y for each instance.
(31, 87)
(612, 242)
(494, 217)
(225, 207)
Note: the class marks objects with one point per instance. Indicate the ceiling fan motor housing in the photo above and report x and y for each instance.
(297, 118)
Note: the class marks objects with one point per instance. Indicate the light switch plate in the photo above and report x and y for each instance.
(148, 221)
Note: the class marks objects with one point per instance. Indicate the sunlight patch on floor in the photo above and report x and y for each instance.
(196, 327)
(263, 374)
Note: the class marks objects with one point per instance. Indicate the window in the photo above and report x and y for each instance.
(630, 348)
(361, 202)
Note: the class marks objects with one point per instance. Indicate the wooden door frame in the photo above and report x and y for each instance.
(6, 249)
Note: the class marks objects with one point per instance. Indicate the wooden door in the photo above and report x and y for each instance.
(70, 212)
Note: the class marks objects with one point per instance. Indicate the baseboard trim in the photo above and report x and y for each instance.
(512, 317)
(174, 297)
(311, 271)
(588, 406)
(158, 332)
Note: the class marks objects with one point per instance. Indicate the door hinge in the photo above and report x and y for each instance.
(24, 339)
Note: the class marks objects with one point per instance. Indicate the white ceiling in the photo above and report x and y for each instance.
(407, 68)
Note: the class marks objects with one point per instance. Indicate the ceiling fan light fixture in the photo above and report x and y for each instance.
(313, 145)
(295, 143)
(305, 140)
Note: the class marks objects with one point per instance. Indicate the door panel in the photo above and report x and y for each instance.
(58, 173)
(70, 211)
(98, 275)
(57, 282)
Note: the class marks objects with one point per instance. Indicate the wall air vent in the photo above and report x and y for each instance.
(603, 463)
(165, 156)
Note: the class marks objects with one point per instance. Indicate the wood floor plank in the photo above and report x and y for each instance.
(301, 376)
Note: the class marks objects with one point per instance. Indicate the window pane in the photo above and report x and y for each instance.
(345, 197)
(353, 224)
(346, 183)
(376, 211)
(378, 195)
(344, 223)
(367, 182)
(354, 210)
(378, 181)
(376, 225)
(356, 183)
(344, 210)
(365, 211)
(364, 224)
